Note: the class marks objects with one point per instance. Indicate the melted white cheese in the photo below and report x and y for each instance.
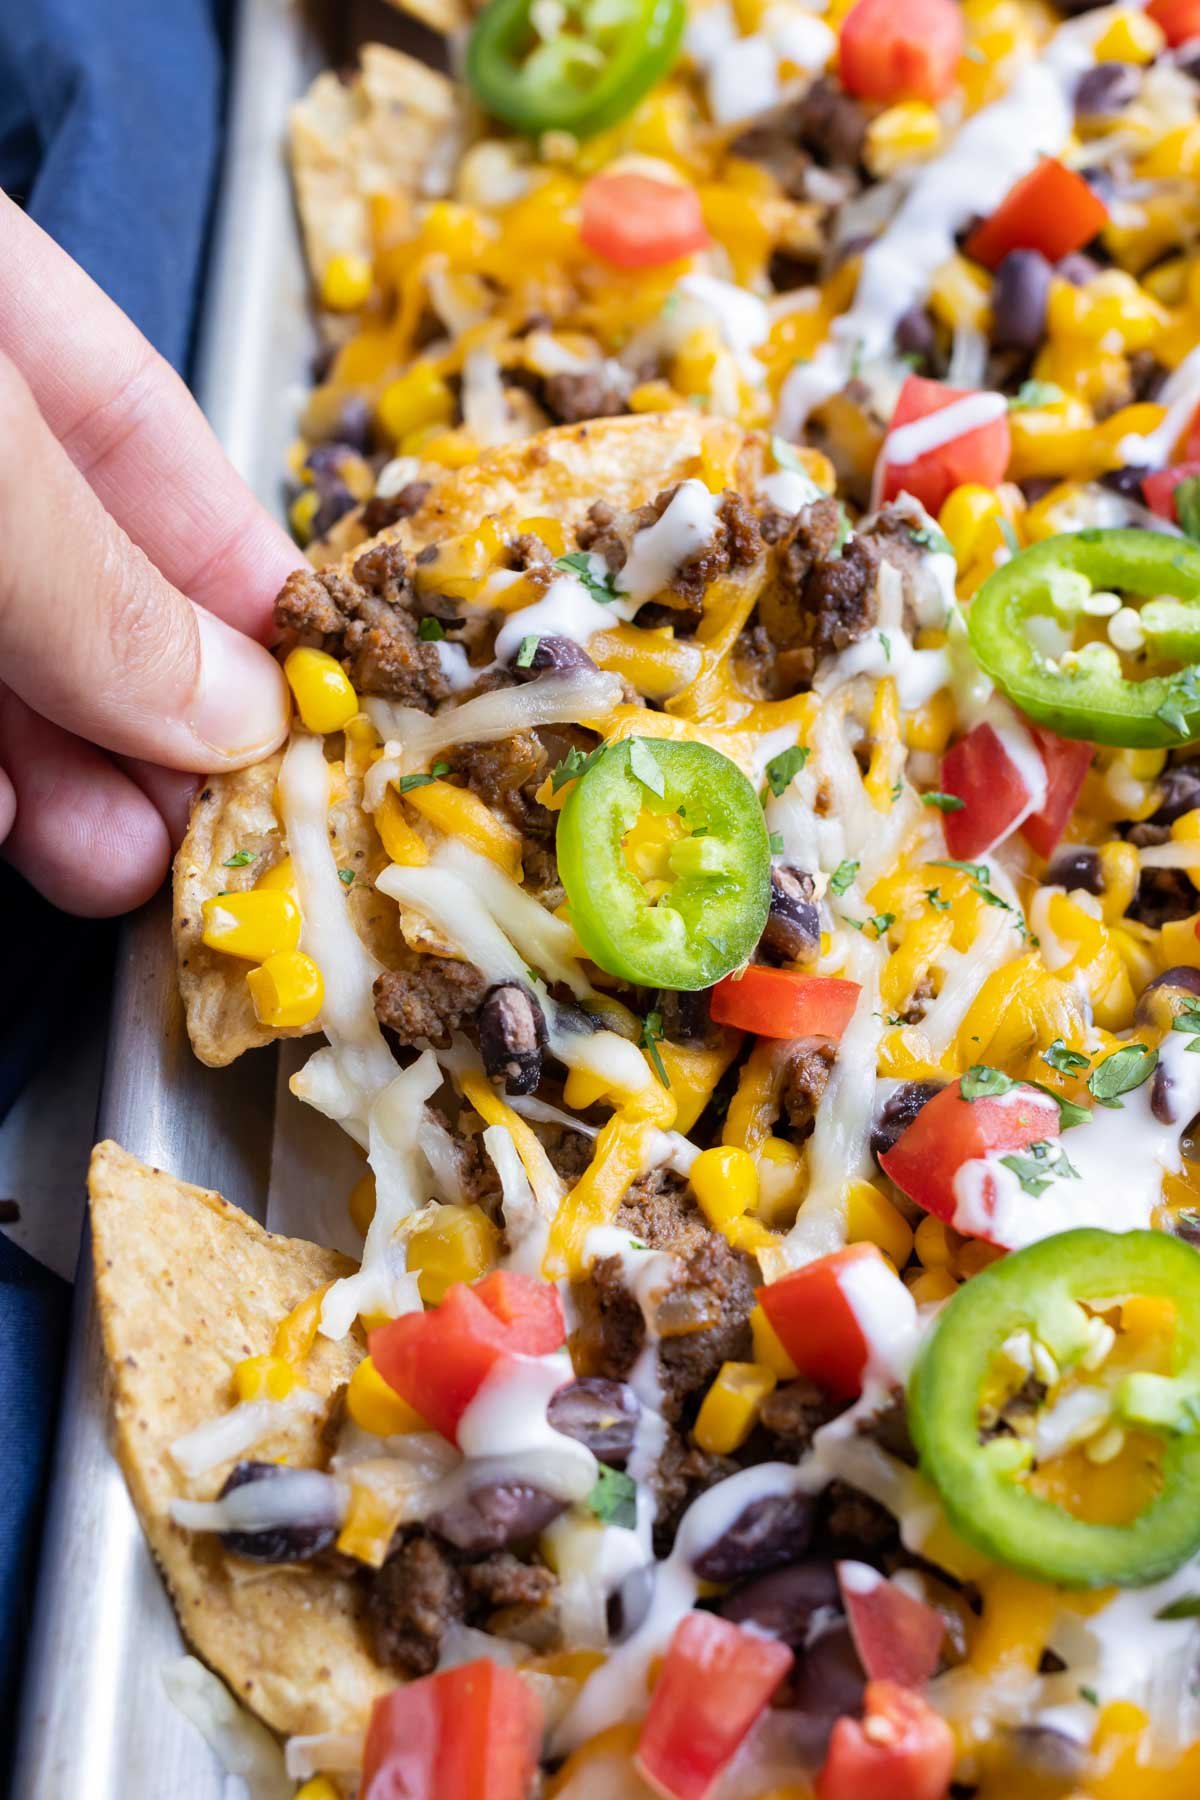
(506, 1425)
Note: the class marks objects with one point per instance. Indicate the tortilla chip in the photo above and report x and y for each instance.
(234, 818)
(187, 1286)
(557, 474)
(381, 133)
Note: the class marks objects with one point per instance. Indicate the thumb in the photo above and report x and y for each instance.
(93, 637)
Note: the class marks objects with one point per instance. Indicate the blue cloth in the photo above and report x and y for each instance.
(110, 135)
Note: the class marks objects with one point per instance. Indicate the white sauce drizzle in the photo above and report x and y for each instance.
(686, 526)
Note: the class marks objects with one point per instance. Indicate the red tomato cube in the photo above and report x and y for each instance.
(715, 1681)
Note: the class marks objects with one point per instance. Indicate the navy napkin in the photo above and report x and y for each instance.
(110, 136)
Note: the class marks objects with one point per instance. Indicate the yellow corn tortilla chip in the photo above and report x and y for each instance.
(234, 818)
(187, 1286)
(380, 133)
(558, 475)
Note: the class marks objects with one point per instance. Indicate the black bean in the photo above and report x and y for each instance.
(826, 1684)
(1076, 869)
(1160, 1096)
(1126, 481)
(599, 1413)
(512, 1036)
(767, 1534)
(786, 1602)
(1106, 88)
(1077, 268)
(1168, 994)
(1045, 1751)
(554, 656)
(1019, 297)
(495, 1516)
(630, 1603)
(899, 1113)
(792, 932)
(685, 1015)
(277, 1543)
(336, 502)
(1178, 792)
(914, 335)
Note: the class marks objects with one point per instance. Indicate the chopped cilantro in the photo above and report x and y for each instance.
(775, 841)
(1122, 1072)
(574, 764)
(843, 877)
(431, 630)
(1038, 1164)
(614, 1498)
(787, 457)
(879, 922)
(1032, 394)
(346, 877)
(977, 871)
(934, 897)
(409, 782)
(1064, 1060)
(1009, 535)
(1090, 1695)
(944, 802)
(886, 641)
(526, 651)
(652, 1032)
(983, 1083)
(1189, 1020)
(928, 537)
(1187, 504)
(238, 860)
(580, 563)
(782, 768)
(1186, 1607)
(844, 534)
(1183, 694)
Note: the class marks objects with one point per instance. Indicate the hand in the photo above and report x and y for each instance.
(137, 574)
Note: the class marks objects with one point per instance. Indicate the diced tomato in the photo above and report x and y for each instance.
(908, 51)
(1191, 440)
(813, 1314)
(977, 455)
(780, 1003)
(901, 1750)
(979, 772)
(1158, 487)
(638, 222)
(715, 1681)
(1178, 19)
(471, 1733)
(1067, 761)
(898, 1638)
(438, 1360)
(950, 1131)
(1051, 209)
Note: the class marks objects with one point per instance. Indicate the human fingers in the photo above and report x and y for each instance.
(79, 830)
(130, 426)
(93, 637)
(171, 791)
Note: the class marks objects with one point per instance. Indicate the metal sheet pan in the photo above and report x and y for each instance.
(95, 1721)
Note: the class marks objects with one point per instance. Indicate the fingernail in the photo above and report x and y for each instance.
(242, 706)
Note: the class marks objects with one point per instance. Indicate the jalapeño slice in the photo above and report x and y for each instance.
(1039, 1290)
(593, 71)
(717, 864)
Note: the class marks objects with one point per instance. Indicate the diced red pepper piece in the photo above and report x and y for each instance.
(892, 52)
(813, 1314)
(900, 1750)
(1158, 487)
(979, 772)
(1178, 19)
(898, 1637)
(438, 1360)
(1067, 761)
(950, 1131)
(638, 222)
(780, 1003)
(976, 455)
(715, 1681)
(1051, 209)
(471, 1733)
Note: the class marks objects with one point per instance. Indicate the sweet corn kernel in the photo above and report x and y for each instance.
(415, 400)
(1186, 828)
(931, 1243)
(319, 1788)
(456, 1243)
(780, 1181)
(730, 1409)
(287, 990)
(302, 515)
(973, 1257)
(281, 879)
(1178, 943)
(254, 925)
(961, 294)
(872, 1219)
(360, 1203)
(378, 1408)
(324, 695)
(901, 134)
(264, 1378)
(768, 1350)
(346, 282)
(725, 1183)
(1130, 38)
(931, 1286)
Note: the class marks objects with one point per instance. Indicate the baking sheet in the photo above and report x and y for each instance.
(95, 1721)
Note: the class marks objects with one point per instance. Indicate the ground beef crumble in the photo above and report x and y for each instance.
(424, 1587)
(363, 618)
(429, 1002)
(735, 544)
(822, 599)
